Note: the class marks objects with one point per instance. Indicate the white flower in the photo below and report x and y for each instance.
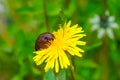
(104, 25)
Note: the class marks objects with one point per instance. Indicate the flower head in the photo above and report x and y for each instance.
(104, 24)
(66, 39)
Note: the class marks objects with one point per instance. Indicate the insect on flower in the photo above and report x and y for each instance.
(52, 48)
(44, 41)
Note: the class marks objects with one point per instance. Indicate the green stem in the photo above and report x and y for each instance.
(105, 4)
(103, 57)
(46, 16)
(72, 72)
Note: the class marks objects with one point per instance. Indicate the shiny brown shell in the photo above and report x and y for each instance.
(43, 41)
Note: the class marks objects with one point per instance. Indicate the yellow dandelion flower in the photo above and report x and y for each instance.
(67, 40)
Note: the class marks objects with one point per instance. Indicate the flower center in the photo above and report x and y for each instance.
(104, 21)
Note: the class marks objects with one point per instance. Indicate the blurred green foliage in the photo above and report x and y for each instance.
(21, 21)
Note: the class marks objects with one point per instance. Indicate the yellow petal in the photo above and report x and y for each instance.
(61, 62)
(52, 64)
(41, 59)
(47, 67)
(78, 54)
(71, 52)
(79, 49)
(81, 43)
(66, 60)
(69, 23)
(74, 26)
(78, 36)
(56, 66)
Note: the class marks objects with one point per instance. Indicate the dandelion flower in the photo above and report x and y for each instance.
(66, 41)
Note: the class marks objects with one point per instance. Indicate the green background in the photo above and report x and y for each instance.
(21, 22)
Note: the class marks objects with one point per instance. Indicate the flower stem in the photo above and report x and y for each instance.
(72, 72)
(102, 58)
(46, 16)
(105, 4)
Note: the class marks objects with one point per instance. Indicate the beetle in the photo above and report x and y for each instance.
(43, 41)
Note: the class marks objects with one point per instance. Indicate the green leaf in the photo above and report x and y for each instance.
(61, 75)
(49, 75)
